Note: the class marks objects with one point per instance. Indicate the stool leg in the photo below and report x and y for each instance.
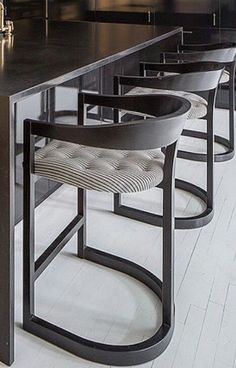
(117, 90)
(43, 112)
(81, 193)
(210, 151)
(51, 104)
(168, 236)
(231, 105)
(81, 205)
(28, 229)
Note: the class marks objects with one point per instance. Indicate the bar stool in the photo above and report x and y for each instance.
(114, 158)
(190, 77)
(216, 52)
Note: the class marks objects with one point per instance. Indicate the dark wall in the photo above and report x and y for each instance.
(72, 9)
(25, 8)
(228, 13)
(136, 11)
(189, 13)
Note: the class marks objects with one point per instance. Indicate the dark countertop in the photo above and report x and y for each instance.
(42, 54)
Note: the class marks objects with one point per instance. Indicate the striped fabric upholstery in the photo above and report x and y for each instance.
(99, 169)
(199, 105)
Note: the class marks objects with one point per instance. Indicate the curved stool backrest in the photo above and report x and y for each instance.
(169, 115)
(219, 52)
(225, 56)
(207, 46)
(194, 77)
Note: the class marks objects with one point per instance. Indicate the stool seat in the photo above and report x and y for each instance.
(105, 170)
(198, 104)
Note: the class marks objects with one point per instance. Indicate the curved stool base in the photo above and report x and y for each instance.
(197, 221)
(202, 157)
(119, 355)
(192, 222)
(62, 113)
(58, 114)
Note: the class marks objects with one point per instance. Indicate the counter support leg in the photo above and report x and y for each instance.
(7, 211)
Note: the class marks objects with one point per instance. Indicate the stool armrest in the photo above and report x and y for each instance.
(164, 83)
(184, 67)
(129, 103)
(182, 56)
(188, 82)
(223, 56)
(137, 135)
(206, 46)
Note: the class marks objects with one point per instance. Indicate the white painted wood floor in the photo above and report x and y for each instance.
(110, 307)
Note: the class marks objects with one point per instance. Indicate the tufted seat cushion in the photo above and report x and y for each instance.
(199, 104)
(100, 169)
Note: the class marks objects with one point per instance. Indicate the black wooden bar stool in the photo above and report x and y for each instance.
(114, 158)
(199, 77)
(220, 52)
